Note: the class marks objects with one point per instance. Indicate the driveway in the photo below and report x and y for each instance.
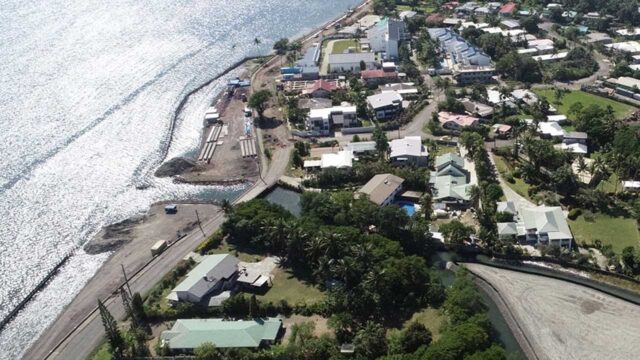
(518, 200)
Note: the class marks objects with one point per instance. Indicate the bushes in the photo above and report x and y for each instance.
(213, 241)
(574, 213)
(510, 179)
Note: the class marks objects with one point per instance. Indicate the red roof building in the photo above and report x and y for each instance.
(435, 19)
(508, 8)
(320, 88)
(451, 5)
(378, 76)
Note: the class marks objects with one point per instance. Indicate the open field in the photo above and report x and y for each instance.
(618, 231)
(621, 110)
(340, 46)
(567, 321)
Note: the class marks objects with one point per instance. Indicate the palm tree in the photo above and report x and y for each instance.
(226, 207)
(599, 168)
(475, 194)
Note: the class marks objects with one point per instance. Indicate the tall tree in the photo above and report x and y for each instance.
(114, 337)
(382, 143)
(259, 100)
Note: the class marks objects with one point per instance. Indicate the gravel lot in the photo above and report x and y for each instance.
(567, 321)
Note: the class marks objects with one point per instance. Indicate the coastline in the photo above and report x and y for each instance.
(71, 319)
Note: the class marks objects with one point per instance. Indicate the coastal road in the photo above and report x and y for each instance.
(77, 335)
(89, 334)
(565, 321)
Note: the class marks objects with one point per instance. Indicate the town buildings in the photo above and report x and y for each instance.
(450, 182)
(382, 189)
(321, 121)
(385, 105)
(385, 37)
(188, 334)
(351, 62)
(215, 275)
(468, 63)
(456, 122)
(540, 225)
(409, 151)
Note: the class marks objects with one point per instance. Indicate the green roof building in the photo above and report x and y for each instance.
(188, 334)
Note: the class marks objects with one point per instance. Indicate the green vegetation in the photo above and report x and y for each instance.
(287, 286)
(340, 46)
(618, 231)
(610, 185)
(516, 184)
(577, 96)
(431, 318)
(101, 353)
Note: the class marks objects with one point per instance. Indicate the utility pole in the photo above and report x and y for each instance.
(199, 224)
(126, 280)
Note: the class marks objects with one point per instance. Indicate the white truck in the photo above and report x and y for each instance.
(158, 247)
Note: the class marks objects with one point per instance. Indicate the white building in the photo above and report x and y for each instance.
(351, 62)
(550, 129)
(630, 47)
(538, 225)
(385, 105)
(409, 151)
(468, 63)
(341, 160)
(546, 225)
(551, 57)
(385, 37)
(214, 274)
(321, 121)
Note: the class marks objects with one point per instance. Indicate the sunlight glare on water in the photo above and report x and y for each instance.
(87, 93)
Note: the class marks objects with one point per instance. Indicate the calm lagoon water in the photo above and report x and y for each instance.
(87, 92)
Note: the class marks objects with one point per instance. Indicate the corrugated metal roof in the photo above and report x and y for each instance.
(191, 333)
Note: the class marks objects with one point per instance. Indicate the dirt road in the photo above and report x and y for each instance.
(566, 321)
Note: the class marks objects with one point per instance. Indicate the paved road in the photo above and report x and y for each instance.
(90, 333)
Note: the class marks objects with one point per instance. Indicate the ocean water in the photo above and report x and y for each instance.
(87, 93)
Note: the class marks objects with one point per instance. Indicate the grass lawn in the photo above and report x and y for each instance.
(242, 254)
(340, 46)
(442, 149)
(286, 286)
(625, 284)
(617, 231)
(621, 109)
(609, 185)
(431, 318)
(521, 187)
(101, 353)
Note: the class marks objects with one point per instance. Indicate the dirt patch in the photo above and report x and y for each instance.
(147, 229)
(113, 236)
(175, 166)
(589, 306)
(321, 325)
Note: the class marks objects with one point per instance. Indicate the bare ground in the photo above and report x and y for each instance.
(566, 321)
(321, 325)
(133, 251)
